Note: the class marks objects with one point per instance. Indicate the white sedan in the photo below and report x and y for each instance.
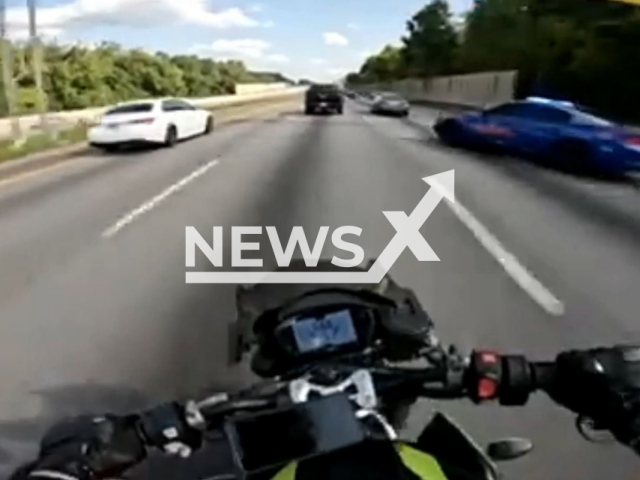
(160, 122)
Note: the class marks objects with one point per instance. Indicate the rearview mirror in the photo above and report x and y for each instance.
(509, 448)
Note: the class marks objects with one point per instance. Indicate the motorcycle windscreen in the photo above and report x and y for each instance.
(254, 300)
(302, 431)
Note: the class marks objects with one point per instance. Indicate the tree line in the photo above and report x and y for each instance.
(76, 77)
(587, 51)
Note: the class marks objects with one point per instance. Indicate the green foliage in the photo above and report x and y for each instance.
(28, 99)
(431, 45)
(387, 65)
(582, 50)
(77, 77)
(496, 36)
(428, 49)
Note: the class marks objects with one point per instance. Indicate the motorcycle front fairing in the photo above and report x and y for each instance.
(458, 455)
(443, 452)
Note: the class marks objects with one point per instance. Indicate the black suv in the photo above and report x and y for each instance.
(323, 98)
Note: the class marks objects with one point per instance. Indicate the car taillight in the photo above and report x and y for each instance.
(142, 120)
(633, 141)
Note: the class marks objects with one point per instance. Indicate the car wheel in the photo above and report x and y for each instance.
(111, 148)
(171, 137)
(339, 111)
(102, 147)
(574, 156)
(449, 132)
(209, 125)
(308, 110)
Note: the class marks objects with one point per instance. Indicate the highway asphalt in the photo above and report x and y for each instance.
(95, 313)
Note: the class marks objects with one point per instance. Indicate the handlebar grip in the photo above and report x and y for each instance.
(517, 380)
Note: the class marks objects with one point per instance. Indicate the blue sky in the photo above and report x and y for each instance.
(302, 38)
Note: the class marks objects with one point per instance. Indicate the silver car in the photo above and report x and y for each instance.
(390, 103)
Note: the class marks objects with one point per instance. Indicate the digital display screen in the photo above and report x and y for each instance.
(331, 330)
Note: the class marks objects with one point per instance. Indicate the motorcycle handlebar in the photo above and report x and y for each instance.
(485, 376)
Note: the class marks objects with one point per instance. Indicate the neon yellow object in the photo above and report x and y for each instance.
(421, 464)
(287, 473)
(633, 2)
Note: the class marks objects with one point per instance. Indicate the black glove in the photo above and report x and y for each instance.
(602, 384)
(167, 428)
(85, 448)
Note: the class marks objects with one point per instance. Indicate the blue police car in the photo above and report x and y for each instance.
(554, 132)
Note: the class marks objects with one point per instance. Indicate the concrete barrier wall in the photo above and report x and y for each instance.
(60, 120)
(247, 88)
(478, 90)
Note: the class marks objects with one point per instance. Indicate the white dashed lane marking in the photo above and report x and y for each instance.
(147, 206)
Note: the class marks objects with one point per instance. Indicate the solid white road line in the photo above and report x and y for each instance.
(516, 270)
(155, 201)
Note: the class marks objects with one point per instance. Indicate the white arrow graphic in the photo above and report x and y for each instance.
(407, 235)
(408, 227)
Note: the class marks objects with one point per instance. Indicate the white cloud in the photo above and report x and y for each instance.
(268, 24)
(318, 61)
(335, 38)
(131, 13)
(47, 33)
(255, 8)
(353, 26)
(337, 71)
(277, 58)
(231, 17)
(246, 48)
(252, 50)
